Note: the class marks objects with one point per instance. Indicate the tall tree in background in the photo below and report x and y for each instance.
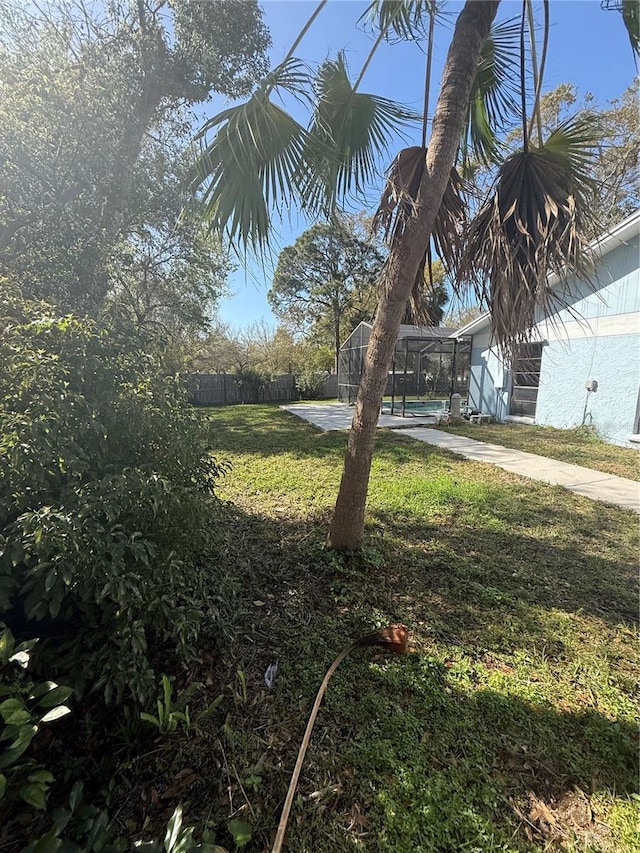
(616, 165)
(258, 347)
(165, 273)
(535, 220)
(326, 283)
(460, 313)
(85, 88)
(326, 280)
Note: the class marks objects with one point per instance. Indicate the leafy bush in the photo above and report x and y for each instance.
(310, 385)
(24, 707)
(106, 500)
(251, 384)
(78, 828)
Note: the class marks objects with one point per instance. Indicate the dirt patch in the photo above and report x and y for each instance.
(565, 821)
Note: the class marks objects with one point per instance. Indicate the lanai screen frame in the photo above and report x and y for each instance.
(351, 362)
(419, 345)
(352, 353)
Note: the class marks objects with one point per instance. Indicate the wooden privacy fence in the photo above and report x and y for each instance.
(218, 389)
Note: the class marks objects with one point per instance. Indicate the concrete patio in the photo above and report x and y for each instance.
(332, 416)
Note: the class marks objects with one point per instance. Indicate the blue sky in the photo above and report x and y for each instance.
(588, 47)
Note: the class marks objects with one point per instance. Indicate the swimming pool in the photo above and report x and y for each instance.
(415, 407)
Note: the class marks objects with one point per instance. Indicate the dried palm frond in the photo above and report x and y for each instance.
(416, 306)
(535, 223)
(450, 222)
(423, 308)
(446, 243)
(398, 201)
(398, 205)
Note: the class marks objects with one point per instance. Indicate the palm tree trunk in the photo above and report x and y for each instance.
(472, 29)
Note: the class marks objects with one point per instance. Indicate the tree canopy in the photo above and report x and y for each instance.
(325, 282)
(259, 347)
(165, 273)
(616, 165)
(94, 105)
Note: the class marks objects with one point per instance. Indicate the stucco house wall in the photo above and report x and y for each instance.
(488, 381)
(597, 337)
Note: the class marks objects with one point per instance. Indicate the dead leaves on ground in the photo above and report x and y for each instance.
(569, 818)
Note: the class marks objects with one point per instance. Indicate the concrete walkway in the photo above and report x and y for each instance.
(583, 481)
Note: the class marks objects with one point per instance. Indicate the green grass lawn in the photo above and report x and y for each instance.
(577, 446)
(511, 724)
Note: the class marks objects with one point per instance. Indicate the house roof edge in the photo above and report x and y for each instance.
(602, 245)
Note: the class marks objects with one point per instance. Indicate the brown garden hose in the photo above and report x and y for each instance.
(394, 639)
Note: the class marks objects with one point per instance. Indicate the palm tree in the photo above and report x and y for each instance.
(261, 159)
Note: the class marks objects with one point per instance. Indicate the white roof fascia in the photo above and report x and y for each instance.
(617, 235)
(473, 325)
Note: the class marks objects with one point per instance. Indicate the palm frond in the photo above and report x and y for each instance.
(407, 20)
(494, 97)
(398, 202)
(398, 205)
(253, 162)
(574, 139)
(450, 222)
(631, 18)
(349, 131)
(419, 307)
(445, 242)
(536, 222)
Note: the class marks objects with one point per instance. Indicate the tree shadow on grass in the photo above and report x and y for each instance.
(486, 567)
(267, 430)
(449, 770)
(410, 755)
(463, 576)
(420, 754)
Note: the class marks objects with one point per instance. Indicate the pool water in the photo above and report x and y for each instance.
(423, 405)
(415, 407)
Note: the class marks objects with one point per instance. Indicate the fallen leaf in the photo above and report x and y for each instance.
(539, 811)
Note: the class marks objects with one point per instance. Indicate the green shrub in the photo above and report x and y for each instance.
(251, 384)
(80, 827)
(107, 500)
(24, 707)
(310, 385)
